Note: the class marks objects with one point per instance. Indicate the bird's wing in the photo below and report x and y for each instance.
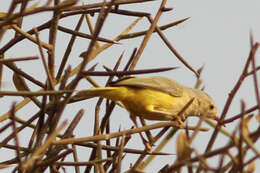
(162, 84)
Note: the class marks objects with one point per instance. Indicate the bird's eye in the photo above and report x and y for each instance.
(211, 107)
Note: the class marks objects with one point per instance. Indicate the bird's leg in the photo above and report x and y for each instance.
(148, 133)
(147, 145)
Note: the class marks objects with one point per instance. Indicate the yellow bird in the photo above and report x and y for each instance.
(154, 98)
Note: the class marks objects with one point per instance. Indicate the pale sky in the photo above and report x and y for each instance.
(216, 36)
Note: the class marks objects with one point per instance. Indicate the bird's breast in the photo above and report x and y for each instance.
(138, 100)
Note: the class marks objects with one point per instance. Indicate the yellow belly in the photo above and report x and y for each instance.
(137, 101)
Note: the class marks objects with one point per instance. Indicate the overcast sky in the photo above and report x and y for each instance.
(216, 36)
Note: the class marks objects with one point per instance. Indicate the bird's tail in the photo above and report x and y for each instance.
(113, 93)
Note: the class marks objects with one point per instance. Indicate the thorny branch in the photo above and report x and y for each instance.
(47, 146)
